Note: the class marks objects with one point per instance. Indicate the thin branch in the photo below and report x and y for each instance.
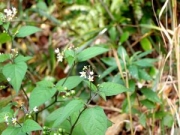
(85, 107)
(25, 95)
(114, 109)
(73, 126)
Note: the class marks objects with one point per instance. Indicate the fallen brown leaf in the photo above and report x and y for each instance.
(118, 123)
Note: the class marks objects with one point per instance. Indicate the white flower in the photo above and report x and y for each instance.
(14, 121)
(8, 79)
(91, 73)
(83, 74)
(59, 57)
(85, 68)
(56, 50)
(140, 85)
(91, 78)
(35, 109)
(87, 73)
(8, 12)
(6, 118)
(14, 52)
(14, 10)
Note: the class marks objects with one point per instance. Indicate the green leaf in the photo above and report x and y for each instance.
(71, 107)
(110, 61)
(146, 44)
(132, 85)
(13, 131)
(143, 54)
(4, 38)
(151, 95)
(6, 25)
(90, 53)
(70, 83)
(146, 62)
(55, 114)
(2, 18)
(113, 33)
(110, 88)
(91, 85)
(160, 114)
(153, 72)
(122, 53)
(4, 57)
(42, 5)
(30, 125)
(3, 114)
(117, 79)
(102, 95)
(21, 58)
(148, 104)
(168, 120)
(133, 70)
(94, 121)
(125, 106)
(70, 56)
(107, 72)
(15, 72)
(40, 95)
(142, 120)
(8, 107)
(27, 30)
(78, 130)
(144, 75)
(45, 83)
(124, 37)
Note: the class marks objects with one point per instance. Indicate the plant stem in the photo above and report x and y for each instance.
(118, 63)
(126, 81)
(130, 112)
(25, 94)
(85, 107)
(73, 126)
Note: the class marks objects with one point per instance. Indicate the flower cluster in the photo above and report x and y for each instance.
(13, 120)
(14, 52)
(29, 113)
(35, 109)
(68, 93)
(59, 54)
(10, 13)
(7, 119)
(87, 73)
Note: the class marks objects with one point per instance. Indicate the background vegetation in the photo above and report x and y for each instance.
(142, 39)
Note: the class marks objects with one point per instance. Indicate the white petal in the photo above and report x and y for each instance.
(83, 74)
(91, 78)
(56, 50)
(91, 73)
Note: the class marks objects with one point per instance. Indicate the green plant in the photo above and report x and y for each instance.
(100, 60)
(74, 110)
